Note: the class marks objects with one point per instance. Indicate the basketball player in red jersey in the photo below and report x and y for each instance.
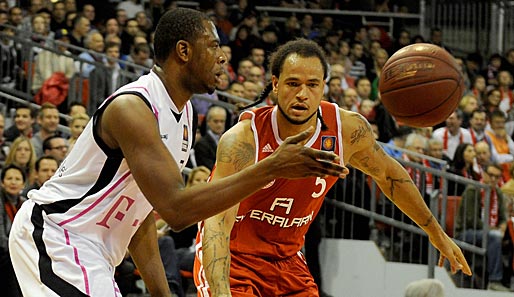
(253, 249)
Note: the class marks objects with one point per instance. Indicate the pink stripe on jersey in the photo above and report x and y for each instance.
(155, 111)
(77, 261)
(85, 211)
(136, 87)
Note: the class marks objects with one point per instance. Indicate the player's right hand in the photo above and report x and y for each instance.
(293, 160)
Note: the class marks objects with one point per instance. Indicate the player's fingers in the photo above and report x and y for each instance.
(300, 136)
(322, 155)
(324, 167)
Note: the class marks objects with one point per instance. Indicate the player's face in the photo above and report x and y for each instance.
(208, 60)
(13, 181)
(47, 168)
(299, 88)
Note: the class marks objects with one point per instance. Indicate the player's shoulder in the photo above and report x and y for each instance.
(240, 132)
(352, 119)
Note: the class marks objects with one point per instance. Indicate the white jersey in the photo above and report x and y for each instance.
(93, 193)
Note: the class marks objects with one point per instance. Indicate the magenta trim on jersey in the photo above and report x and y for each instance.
(77, 261)
(96, 202)
(155, 111)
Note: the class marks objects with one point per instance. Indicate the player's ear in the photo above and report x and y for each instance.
(274, 83)
(184, 50)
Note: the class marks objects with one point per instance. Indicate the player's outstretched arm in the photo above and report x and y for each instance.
(127, 123)
(368, 156)
(144, 251)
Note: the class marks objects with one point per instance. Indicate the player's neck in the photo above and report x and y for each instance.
(286, 128)
(178, 95)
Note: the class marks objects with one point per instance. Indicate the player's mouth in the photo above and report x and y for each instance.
(299, 109)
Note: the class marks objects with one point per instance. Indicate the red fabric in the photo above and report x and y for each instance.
(54, 90)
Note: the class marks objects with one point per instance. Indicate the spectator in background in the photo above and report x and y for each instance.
(379, 60)
(4, 145)
(48, 120)
(491, 71)
(10, 61)
(22, 154)
(205, 148)
(403, 39)
(81, 27)
(55, 146)
(350, 100)
(508, 64)
(505, 83)
(484, 155)
(492, 101)
(76, 107)
(13, 181)
(144, 23)
(335, 92)
(256, 76)
(425, 288)
(140, 55)
(242, 44)
(94, 42)
(131, 7)
(23, 123)
(16, 17)
(88, 10)
(363, 88)
(463, 164)
(77, 124)
(453, 134)
(339, 71)
(45, 168)
(48, 63)
(436, 37)
(470, 222)
(58, 20)
(502, 145)
(467, 105)
(112, 27)
(243, 69)
(251, 91)
(354, 63)
(70, 5)
(478, 88)
(35, 5)
(477, 123)
(228, 66)
(128, 35)
(121, 17)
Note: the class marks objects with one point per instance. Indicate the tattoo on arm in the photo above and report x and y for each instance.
(428, 221)
(361, 131)
(215, 243)
(238, 153)
(373, 170)
(393, 182)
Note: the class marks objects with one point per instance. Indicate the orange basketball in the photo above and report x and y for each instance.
(421, 85)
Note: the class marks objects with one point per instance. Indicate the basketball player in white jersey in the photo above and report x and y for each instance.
(71, 234)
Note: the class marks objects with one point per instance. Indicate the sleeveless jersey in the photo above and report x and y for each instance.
(272, 222)
(93, 193)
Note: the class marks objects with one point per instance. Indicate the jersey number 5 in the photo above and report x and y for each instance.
(321, 182)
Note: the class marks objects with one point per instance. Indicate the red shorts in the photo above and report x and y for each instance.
(256, 276)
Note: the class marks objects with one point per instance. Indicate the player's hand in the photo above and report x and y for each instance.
(293, 160)
(449, 250)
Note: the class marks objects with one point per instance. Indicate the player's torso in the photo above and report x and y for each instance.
(273, 221)
(94, 194)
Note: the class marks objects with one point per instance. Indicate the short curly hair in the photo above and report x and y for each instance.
(177, 24)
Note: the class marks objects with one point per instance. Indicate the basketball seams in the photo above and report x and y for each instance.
(421, 84)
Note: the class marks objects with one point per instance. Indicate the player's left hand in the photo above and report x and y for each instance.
(449, 250)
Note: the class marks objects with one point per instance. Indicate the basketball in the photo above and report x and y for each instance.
(421, 85)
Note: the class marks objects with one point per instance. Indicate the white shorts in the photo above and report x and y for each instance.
(51, 261)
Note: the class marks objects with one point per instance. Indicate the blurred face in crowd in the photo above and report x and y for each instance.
(381, 57)
(112, 27)
(237, 89)
(16, 16)
(121, 16)
(366, 107)
(76, 109)
(89, 12)
(480, 83)
(83, 26)
(364, 88)
(469, 154)
(96, 43)
(223, 82)
(336, 70)
(23, 153)
(504, 79)
(2, 125)
(35, 5)
(257, 56)
(13, 181)
(404, 38)
(256, 75)
(59, 11)
(494, 98)
(453, 123)
(344, 48)
(132, 27)
(69, 19)
(142, 19)
(497, 123)
(471, 105)
(228, 52)
(216, 120)
(39, 25)
(3, 18)
(350, 97)
(58, 149)
(483, 152)
(70, 5)
(141, 57)
(435, 149)
(113, 53)
(492, 175)
(357, 50)
(334, 87)
(49, 120)
(244, 68)
(478, 121)
(77, 126)
(47, 168)
(307, 21)
(418, 146)
(251, 90)
(199, 177)
(23, 119)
